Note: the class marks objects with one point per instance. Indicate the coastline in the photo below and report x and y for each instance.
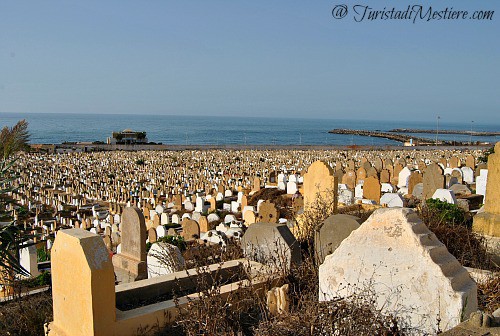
(85, 147)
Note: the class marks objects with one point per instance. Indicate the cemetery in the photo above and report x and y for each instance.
(253, 242)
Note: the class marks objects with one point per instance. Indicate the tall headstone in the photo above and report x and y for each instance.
(414, 179)
(372, 189)
(433, 179)
(320, 181)
(190, 229)
(88, 308)
(488, 221)
(132, 258)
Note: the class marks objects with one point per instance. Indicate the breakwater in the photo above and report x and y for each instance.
(398, 137)
(427, 131)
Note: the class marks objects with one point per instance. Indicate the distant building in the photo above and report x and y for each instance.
(127, 137)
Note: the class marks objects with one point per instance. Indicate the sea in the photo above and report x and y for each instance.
(56, 128)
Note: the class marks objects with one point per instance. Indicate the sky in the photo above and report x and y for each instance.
(248, 58)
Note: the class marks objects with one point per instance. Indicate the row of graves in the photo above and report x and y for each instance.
(423, 279)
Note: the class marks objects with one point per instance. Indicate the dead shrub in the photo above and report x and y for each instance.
(26, 315)
(488, 294)
(467, 246)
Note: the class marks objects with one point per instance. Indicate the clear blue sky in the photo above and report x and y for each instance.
(257, 58)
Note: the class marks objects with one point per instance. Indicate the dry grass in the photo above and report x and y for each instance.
(27, 315)
(467, 246)
(488, 294)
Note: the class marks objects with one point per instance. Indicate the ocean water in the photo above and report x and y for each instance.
(52, 128)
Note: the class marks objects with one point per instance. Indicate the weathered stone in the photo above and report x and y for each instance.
(277, 300)
(164, 259)
(410, 271)
(271, 244)
(319, 181)
(268, 212)
(372, 189)
(488, 222)
(84, 298)
(132, 258)
(433, 179)
(332, 232)
(190, 229)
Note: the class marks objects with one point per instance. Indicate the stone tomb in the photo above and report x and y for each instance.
(132, 258)
(411, 272)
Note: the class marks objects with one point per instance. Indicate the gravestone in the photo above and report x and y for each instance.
(432, 179)
(418, 191)
(160, 231)
(152, 235)
(460, 190)
(164, 258)
(271, 244)
(470, 161)
(203, 223)
(468, 175)
(89, 308)
(403, 176)
(28, 260)
(213, 217)
(190, 229)
(488, 221)
(360, 175)
(132, 258)
(319, 181)
(349, 179)
(410, 271)
(249, 217)
(268, 212)
(385, 176)
(371, 189)
(481, 182)
(332, 232)
(454, 162)
(414, 179)
(392, 200)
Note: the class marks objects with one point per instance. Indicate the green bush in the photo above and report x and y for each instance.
(449, 213)
(43, 279)
(42, 255)
(173, 240)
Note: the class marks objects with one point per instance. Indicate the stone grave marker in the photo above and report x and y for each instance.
(319, 181)
(432, 179)
(268, 212)
(332, 232)
(408, 268)
(164, 258)
(271, 244)
(190, 229)
(132, 258)
(371, 189)
(488, 221)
